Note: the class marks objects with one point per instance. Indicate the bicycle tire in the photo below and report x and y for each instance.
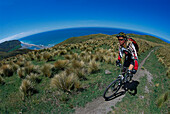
(112, 89)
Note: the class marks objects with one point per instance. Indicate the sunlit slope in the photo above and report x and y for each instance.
(62, 77)
(93, 36)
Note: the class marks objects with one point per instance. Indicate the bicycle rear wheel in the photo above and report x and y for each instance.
(112, 89)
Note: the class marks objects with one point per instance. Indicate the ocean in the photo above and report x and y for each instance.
(50, 38)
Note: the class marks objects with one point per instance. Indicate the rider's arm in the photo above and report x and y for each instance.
(120, 54)
(134, 58)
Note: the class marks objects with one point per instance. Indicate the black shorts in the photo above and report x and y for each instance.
(127, 64)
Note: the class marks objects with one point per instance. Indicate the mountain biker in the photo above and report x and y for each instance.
(131, 59)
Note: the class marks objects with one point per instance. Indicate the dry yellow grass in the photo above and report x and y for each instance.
(65, 82)
(61, 64)
(33, 77)
(1, 80)
(47, 56)
(75, 56)
(21, 72)
(93, 66)
(29, 67)
(46, 70)
(69, 57)
(163, 98)
(81, 73)
(26, 88)
(77, 64)
(7, 70)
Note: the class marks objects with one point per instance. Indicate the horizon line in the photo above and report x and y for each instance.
(34, 32)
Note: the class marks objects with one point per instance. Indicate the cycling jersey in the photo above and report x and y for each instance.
(130, 55)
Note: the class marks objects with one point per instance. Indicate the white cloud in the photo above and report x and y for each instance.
(18, 36)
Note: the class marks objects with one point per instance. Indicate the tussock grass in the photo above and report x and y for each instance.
(65, 82)
(29, 67)
(15, 67)
(37, 70)
(69, 57)
(168, 72)
(77, 69)
(39, 57)
(93, 67)
(75, 56)
(26, 88)
(33, 77)
(46, 70)
(1, 80)
(86, 58)
(163, 98)
(21, 61)
(107, 59)
(61, 64)
(1, 72)
(62, 52)
(77, 64)
(81, 73)
(69, 70)
(31, 55)
(21, 72)
(82, 54)
(7, 70)
(47, 56)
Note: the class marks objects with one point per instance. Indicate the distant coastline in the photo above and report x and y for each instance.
(50, 38)
(31, 46)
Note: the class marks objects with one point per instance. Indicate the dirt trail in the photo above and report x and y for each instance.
(100, 106)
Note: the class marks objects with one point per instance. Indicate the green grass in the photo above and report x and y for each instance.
(148, 38)
(82, 38)
(93, 36)
(134, 104)
(15, 48)
(50, 100)
(46, 100)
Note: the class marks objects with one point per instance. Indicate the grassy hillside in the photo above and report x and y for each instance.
(11, 48)
(148, 38)
(93, 36)
(82, 38)
(13, 52)
(10, 45)
(58, 79)
(152, 97)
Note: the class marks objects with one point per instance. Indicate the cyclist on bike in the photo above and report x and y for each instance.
(131, 59)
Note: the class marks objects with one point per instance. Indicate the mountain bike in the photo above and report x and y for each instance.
(116, 85)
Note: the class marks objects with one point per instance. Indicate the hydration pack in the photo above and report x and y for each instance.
(135, 44)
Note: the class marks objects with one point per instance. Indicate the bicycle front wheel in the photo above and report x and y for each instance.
(112, 89)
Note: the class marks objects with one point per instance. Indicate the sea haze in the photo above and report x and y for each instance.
(51, 38)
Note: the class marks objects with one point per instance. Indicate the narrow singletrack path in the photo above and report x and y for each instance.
(100, 106)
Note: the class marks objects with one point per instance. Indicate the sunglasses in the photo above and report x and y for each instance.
(120, 39)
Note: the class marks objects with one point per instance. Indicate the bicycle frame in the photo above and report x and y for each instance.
(115, 85)
(121, 76)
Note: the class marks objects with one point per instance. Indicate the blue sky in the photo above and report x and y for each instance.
(20, 18)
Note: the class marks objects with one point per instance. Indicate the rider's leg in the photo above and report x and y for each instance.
(131, 67)
(125, 66)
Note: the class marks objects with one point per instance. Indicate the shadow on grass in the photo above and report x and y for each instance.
(131, 88)
(116, 95)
